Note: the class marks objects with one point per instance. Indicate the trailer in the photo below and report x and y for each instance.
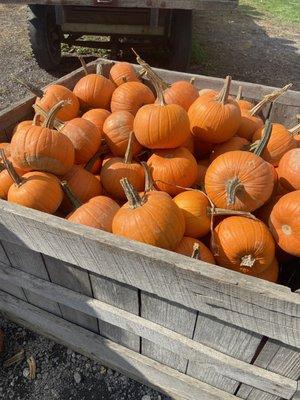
(118, 25)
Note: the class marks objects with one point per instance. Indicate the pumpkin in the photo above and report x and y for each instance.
(123, 72)
(173, 167)
(215, 119)
(6, 147)
(98, 213)
(289, 170)
(85, 137)
(235, 143)
(117, 129)
(202, 150)
(53, 94)
(207, 92)
(244, 104)
(243, 244)
(23, 124)
(131, 96)
(202, 168)
(270, 274)
(97, 116)
(6, 181)
(195, 206)
(152, 219)
(281, 142)
(116, 168)
(264, 212)
(42, 148)
(182, 93)
(239, 180)
(83, 184)
(94, 90)
(187, 246)
(284, 222)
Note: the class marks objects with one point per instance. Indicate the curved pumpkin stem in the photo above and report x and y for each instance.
(261, 145)
(269, 98)
(247, 261)
(133, 197)
(76, 203)
(196, 251)
(232, 188)
(149, 185)
(50, 119)
(32, 88)
(214, 211)
(17, 179)
(239, 93)
(129, 150)
(192, 80)
(83, 64)
(222, 97)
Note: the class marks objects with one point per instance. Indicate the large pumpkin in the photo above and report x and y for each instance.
(239, 180)
(182, 93)
(173, 167)
(285, 222)
(244, 245)
(97, 116)
(153, 219)
(187, 246)
(123, 72)
(289, 170)
(215, 119)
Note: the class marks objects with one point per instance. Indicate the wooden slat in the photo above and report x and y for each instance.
(141, 368)
(70, 277)
(172, 316)
(123, 297)
(227, 366)
(215, 291)
(31, 262)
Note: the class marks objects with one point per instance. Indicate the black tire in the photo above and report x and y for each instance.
(44, 36)
(181, 39)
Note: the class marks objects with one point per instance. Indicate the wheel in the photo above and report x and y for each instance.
(44, 36)
(180, 39)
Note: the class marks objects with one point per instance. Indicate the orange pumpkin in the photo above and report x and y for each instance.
(244, 104)
(194, 205)
(289, 170)
(173, 167)
(244, 245)
(53, 94)
(186, 247)
(270, 274)
(131, 96)
(281, 142)
(182, 93)
(116, 168)
(98, 213)
(285, 223)
(189, 144)
(6, 181)
(215, 119)
(123, 72)
(6, 147)
(202, 168)
(239, 180)
(153, 219)
(235, 143)
(264, 212)
(23, 124)
(117, 129)
(97, 116)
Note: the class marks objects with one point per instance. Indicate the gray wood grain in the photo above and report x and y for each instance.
(141, 368)
(172, 316)
(68, 276)
(31, 262)
(123, 297)
(224, 294)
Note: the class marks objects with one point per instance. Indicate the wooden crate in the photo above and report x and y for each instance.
(189, 329)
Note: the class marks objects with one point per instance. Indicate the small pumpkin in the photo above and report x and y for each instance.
(187, 248)
(97, 116)
(6, 181)
(6, 148)
(271, 274)
(152, 219)
(235, 143)
(284, 222)
(182, 93)
(244, 245)
(117, 129)
(173, 167)
(116, 168)
(202, 168)
(289, 170)
(215, 119)
(123, 72)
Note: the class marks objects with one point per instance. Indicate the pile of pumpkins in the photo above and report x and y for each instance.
(197, 173)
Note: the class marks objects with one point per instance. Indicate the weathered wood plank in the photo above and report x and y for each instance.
(141, 368)
(31, 262)
(225, 294)
(179, 344)
(68, 276)
(123, 297)
(172, 316)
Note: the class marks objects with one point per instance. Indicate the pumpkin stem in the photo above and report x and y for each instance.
(192, 80)
(196, 252)
(89, 165)
(264, 140)
(141, 73)
(18, 180)
(99, 69)
(133, 197)
(247, 261)
(269, 98)
(149, 185)
(129, 150)
(295, 130)
(232, 188)
(222, 97)
(33, 89)
(76, 203)
(50, 115)
(83, 64)
(35, 117)
(224, 211)
(239, 93)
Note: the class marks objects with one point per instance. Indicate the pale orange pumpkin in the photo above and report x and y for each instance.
(182, 93)
(123, 72)
(97, 116)
(289, 170)
(187, 245)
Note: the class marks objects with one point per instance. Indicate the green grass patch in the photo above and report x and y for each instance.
(198, 54)
(287, 11)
